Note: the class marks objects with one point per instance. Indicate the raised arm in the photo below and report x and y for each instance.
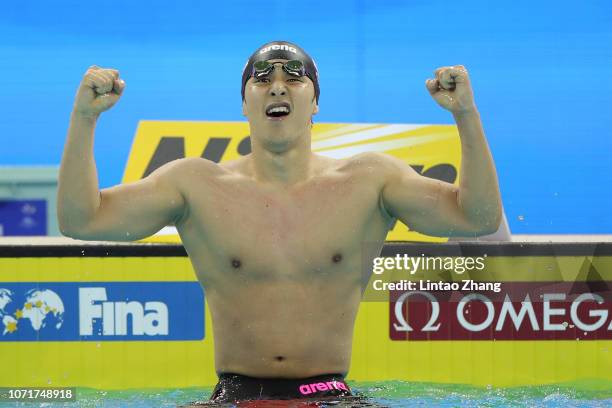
(120, 213)
(438, 208)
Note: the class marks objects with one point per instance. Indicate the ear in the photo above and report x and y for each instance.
(316, 109)
(244, 109)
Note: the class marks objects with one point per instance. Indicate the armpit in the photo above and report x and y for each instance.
(390, 220)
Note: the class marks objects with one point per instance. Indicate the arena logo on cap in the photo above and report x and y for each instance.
(277, 47)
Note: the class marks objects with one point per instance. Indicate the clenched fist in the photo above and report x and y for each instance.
(452, 89)
(100, 89)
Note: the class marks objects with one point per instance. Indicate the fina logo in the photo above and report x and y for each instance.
(150, 319)
(276, 47)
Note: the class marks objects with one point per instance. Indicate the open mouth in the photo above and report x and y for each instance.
(278, 110)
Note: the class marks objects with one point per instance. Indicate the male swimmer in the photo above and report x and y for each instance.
(275, 237)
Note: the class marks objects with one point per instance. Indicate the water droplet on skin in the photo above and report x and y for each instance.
(127, 234)
(49, 381)
(521, 217)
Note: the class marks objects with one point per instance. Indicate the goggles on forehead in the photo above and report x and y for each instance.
(264, 68)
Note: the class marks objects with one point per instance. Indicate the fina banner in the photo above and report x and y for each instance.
(111, 317)
(432, 150)
(101, 311)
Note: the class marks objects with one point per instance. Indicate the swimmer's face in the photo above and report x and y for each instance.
(275, 129)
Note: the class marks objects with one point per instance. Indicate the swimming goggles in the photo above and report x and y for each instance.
(264, 68)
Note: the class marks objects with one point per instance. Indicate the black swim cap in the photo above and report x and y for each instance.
(282, 50)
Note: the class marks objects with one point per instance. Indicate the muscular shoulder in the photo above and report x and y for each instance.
(375, 169)
(181, 174)
(380, 165)
(179, 169)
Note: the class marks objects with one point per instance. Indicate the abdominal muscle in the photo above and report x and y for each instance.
(283, 329)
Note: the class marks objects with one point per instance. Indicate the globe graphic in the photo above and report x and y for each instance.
(6, 297)
(41, 307)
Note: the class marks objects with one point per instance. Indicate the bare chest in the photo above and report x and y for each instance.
(318, 223)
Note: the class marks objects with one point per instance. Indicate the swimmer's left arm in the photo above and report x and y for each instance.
(427, 205)
(438, 208)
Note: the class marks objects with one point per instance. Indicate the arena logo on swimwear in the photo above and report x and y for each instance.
(306, 389)
(98, 311)
(521, 311)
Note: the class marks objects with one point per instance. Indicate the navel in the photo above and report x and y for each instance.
(236, 263)
(336, 258)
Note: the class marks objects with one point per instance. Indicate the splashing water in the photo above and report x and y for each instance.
(390, 394)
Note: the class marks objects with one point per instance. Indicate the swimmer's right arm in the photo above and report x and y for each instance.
(121, 213)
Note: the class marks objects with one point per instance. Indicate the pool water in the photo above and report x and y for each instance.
(379, 394)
